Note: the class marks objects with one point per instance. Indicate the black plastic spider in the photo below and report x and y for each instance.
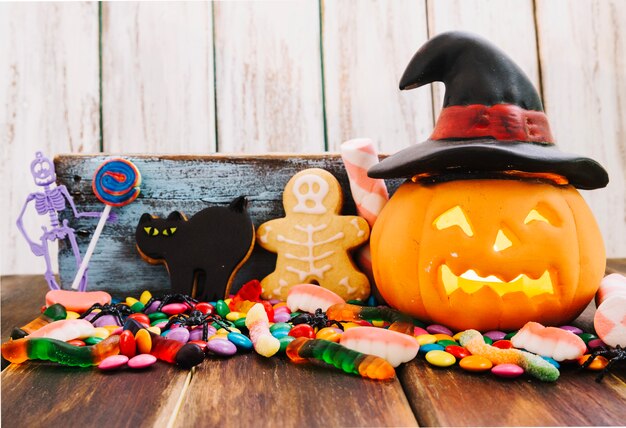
(612, 354)
(318, 319)
(119, 311)
(197, 318)
(170, 298)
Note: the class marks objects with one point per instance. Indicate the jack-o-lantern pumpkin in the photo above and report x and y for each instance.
(490, 232)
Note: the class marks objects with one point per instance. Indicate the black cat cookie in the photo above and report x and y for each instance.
(202, 254)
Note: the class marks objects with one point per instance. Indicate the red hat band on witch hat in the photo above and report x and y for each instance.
(492, 122)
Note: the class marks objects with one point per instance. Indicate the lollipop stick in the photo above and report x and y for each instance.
(92, 246)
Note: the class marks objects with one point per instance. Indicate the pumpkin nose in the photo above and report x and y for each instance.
(502, 241)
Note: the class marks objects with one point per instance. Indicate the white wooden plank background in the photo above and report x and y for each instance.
(49, 101)
(157, 77)
(286, 76)
(583, 67)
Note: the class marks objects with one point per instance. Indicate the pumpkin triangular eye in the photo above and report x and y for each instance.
(165, 232)
(502, 241)
(147, 229)
(155, 232)
(172, 230)
(454, 217)
(534, 215)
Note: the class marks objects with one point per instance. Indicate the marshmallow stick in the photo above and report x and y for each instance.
(610, 318)
(370, 194)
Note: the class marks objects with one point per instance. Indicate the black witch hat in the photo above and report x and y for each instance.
(492, 123)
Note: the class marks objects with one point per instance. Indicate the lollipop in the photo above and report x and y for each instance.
(115, 184)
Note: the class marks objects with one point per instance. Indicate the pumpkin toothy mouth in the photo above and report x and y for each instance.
(470, 282)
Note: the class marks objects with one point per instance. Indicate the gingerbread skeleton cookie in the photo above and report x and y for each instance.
(312, 241)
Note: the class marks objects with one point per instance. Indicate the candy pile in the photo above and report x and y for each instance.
(314, 324)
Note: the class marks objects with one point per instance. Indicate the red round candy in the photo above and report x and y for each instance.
(459, 352)
(503, 344)
(205, 308)
(76, 342)
(201, 343)
(140, 318)
(302, 330)
(127, 344)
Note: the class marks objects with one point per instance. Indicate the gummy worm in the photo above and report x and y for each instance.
(39, 348)
(533, 364)
(185, 355)
(258, 325)
(52, 313)
(348, 312)
(334, 354)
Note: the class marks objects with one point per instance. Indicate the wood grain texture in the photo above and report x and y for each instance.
(187, 184)
(268, 392)
(509, 24)
(22, 296)
(157, 77)
(366, 47)
(268, 77)
(49, 101)
(47, 394)
(583, 58)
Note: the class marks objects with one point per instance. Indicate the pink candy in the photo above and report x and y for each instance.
(113, 362)
(141, 361)
(507, 370)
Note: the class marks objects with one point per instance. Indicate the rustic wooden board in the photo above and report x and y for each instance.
(250, 390)
(49, 101)
(187, 184)
(268, 77)
(157, 77)
(585, 97)
(366, 46)
(46, 394)
(509, 24)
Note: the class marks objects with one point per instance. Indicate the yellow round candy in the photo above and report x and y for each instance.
(154, 329)
(143, 341)
(441, 336)
(378, 323)
(216, 337)
(426, 339)
(457, 336)
(145, 296)
(130, 301)
(71, 315)
(233, 316)
(279, 304)
(227, 301)
(101, 332)
(349, 324)
(475, 363)
(328, 333)
(111, 328)
(440, 358)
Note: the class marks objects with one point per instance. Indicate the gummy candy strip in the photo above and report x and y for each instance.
(348, 312)
(336, 355)
(533, 364)
(185, 355)
(259, 327)
(309, 297)
(39, 348)
(52, 313)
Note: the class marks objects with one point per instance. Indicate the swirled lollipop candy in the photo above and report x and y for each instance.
(115, 183)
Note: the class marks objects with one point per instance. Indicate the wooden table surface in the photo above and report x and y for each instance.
(249, 390)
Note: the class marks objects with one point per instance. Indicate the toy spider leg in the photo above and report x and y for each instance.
(170, 298)
(316, 320)
(613, 355)
(197, 318)
(119, 311)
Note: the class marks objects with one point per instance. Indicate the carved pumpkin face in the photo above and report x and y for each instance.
(487, 254)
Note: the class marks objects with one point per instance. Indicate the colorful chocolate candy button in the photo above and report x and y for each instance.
(440, 358)
(507, 370)
(475, 363)
(141, 361)
(113, 362)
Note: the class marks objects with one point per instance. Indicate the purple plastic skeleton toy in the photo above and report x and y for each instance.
(50, 202)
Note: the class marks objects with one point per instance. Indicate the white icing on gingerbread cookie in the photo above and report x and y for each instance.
(312, 241)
